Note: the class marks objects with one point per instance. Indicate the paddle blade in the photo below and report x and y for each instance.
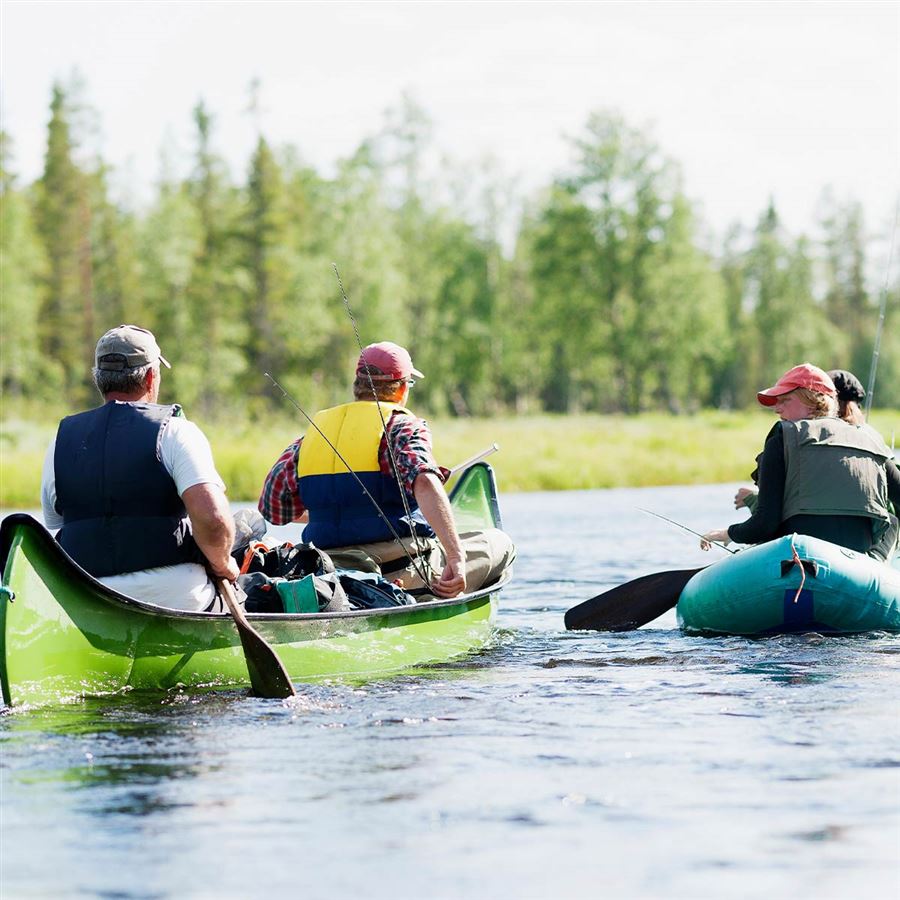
(268, 677)
(630, 605)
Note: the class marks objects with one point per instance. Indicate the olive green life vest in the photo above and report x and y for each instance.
(834, 468)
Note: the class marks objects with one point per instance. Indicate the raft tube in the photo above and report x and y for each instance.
(758, 591)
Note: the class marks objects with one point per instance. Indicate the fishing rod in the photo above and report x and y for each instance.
(685, 528)
(394, 467)
(359, 481)
(870, 390)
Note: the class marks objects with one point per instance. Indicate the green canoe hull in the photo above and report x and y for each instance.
(64, 635)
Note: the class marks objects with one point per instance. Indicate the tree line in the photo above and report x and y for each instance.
(609, 296)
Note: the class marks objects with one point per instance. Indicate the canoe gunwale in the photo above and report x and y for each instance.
(15, 522)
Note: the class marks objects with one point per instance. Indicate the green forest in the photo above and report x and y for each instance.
(602, 292)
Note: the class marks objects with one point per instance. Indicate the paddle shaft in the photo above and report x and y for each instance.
(268, 677)
(467, 464)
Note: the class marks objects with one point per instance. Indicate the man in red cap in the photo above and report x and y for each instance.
(317, 480)
(819, 474)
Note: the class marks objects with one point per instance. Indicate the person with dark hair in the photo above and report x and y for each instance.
(850, 393)
(388, 449)
(819, 475)
(132, 486)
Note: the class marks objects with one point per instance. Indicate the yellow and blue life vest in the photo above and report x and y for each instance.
(340, 513)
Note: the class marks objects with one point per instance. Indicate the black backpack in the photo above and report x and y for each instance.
(263, 569)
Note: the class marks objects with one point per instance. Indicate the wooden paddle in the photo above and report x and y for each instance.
(630, 605)
(268, 677)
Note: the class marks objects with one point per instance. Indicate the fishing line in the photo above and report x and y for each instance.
(394, 467)
(359, 481)
(870, 390)
(685, 528)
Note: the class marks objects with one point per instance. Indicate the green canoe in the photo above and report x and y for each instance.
(63, 635)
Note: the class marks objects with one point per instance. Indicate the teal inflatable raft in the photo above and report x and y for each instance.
(758, 591)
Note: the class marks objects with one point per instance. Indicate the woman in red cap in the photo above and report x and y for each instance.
(850, 393)
(820, 475)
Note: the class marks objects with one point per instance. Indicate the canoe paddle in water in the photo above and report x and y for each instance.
(635, 603)
(630, 605)
(268, 677)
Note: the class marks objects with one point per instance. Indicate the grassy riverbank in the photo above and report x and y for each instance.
(536, 452)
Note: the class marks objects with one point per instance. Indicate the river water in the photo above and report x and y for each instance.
(551, 765)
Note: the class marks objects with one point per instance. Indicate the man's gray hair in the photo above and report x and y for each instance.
(126, 381)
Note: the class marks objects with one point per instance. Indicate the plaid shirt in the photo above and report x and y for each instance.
(410, 438)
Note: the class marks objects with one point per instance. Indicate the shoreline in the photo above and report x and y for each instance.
(537, 453)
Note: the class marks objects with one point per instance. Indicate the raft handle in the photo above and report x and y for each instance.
(810, 566)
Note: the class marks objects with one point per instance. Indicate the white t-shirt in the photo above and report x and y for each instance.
(187, 457)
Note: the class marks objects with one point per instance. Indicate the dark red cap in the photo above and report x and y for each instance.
(393, 361)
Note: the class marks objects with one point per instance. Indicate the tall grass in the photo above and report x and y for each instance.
(537, 453)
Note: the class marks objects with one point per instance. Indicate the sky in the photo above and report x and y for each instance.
(753, 99)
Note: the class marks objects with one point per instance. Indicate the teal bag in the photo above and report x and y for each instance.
(299, 594)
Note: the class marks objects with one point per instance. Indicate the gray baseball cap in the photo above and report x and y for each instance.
(127, 347)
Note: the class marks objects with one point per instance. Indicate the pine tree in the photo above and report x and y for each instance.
(212, 351)
(63, 219)
(21, 363)
(269, 263)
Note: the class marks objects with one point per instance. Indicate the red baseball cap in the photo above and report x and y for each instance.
(806, 376)
(392, 359)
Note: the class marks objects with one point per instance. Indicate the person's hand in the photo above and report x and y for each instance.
(228, 570)
(719, 536)
(452, 580)
(740, 498)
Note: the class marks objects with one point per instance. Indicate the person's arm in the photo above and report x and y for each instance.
(187, 456)
(213, 527)
(410, 439)
(766, 516)
(279, 501)
(763, 524)
(52, 519)
(432, 499)
(423, 479)
(746, 497)
(893, 483)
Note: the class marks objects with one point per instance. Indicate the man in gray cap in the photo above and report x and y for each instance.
(133, 488)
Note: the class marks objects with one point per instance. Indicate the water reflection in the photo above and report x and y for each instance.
(124, 753)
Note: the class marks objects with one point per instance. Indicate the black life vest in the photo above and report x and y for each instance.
(121, 512)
